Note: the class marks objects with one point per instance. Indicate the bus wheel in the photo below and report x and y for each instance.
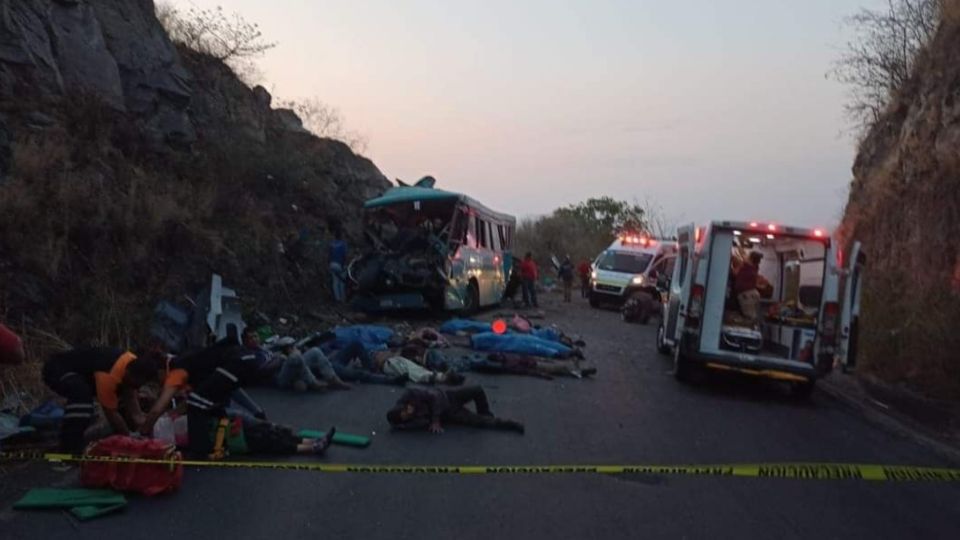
(471, 303)
(594, 302)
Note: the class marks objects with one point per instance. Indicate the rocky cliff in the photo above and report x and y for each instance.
(130, 169)
(905, 207)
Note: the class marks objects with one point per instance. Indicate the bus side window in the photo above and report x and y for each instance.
(471, 232)
(481, 233)
(496, 240)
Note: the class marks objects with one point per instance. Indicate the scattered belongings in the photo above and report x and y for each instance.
(143, 478)
(344, 439)
(84, 504)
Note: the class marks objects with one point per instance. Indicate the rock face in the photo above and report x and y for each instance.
(113, 49)
(131, 168)
(905, 207)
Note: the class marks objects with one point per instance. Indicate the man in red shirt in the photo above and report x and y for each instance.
(11, 347)
(529, 274)
(583, 270)
(745, 287)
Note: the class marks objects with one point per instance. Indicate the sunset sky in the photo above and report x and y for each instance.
(708, 109)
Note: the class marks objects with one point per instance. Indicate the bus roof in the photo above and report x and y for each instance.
(403, 194)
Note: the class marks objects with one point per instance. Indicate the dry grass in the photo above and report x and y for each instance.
(905, 208)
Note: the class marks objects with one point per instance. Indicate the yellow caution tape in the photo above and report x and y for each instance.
(793, 471)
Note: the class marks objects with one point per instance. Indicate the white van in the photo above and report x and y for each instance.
(631, 267)
(802, 329)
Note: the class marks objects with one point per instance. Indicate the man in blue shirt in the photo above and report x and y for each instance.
(338, 262)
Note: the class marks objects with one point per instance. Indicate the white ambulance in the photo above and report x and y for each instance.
(631, 268)
(807, 315)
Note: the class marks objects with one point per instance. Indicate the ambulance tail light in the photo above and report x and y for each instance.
(696, 305)
(829, 322)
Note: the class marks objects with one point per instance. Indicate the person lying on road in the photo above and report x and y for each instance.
(408, 363)
(421, 408)
(289, 368)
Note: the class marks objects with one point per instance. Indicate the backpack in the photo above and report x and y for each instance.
(144, 478)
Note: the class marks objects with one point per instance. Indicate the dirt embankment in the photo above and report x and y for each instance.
(131, 169)
(905, 206)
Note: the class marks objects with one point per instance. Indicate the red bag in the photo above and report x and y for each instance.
(143, 478)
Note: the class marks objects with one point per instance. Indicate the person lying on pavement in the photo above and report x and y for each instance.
(289, 368)
(408, 362)
(429, 408)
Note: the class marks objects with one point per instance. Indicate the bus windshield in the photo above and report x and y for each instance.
(405, 226)
(624, 261)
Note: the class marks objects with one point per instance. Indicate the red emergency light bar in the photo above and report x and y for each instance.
(641, 240)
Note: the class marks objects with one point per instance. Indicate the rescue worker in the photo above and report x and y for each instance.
(178, 372)
(565, 273)
(215, 375)
(420, 408)
(745, 287)
(110, 376)
(529, 274)
(11, 347)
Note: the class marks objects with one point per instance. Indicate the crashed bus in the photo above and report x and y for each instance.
(431, 249)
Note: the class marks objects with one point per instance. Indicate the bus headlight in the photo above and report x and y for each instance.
(637, 280)
(593, 275)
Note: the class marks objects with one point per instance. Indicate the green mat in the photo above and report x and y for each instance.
(345, 439)
(84, 504)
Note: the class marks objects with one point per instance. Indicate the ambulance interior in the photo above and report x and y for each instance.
(790, 285)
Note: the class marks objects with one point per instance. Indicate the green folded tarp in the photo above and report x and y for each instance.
(84, 504)
(345, 439)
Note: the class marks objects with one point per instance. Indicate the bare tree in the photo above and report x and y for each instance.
(226, 37)
(880, 59)
(326, 121)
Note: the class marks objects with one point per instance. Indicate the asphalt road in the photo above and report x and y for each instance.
(633, 412)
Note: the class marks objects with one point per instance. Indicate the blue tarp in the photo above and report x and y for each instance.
(549, 334)
(475, 327)
(372, 337)
(520, 344)
(464, 325)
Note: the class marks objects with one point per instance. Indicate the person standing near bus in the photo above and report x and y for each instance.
(565, 272)
(338, 264)
(528, 276)
(583, 270)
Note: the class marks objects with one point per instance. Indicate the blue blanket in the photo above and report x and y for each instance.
(520, 344)
(454, 326)
(373, 337)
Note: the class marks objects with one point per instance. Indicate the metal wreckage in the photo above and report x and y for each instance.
(430, 248)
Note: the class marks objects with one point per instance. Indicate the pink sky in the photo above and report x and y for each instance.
(710, 111)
